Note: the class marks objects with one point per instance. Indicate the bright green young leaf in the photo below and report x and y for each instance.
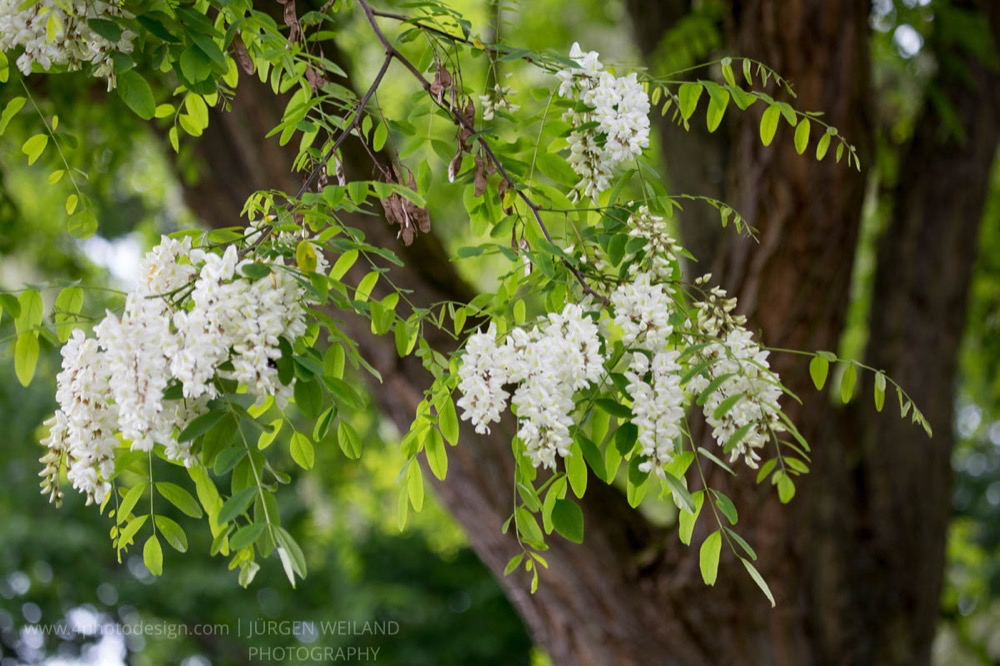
(9, 111)
(179, 497)
(802, 136)
(172, 532)
(349, 441)
(302, 450)
(26, 357)
(711, 549)
(769, 124)
(819, 368)
(152, 556)
(686, 519)
(365, 286)
(847, 382)
(576, 470)
(822, 146)
(448, 420)
(688, 95)
(34, 147)
(437, 457)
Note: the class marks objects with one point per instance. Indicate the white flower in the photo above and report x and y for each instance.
(481, 381)
(115, 385)
(657, 407)
(74, 44)
(550, 364)
(661, 249)
(620, 109)
(749, 375)
(642, 312)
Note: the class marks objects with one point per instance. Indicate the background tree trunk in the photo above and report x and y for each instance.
(855, 562)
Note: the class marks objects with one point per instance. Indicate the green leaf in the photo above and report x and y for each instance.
(236, 505)
(711, 549)
(687, 96)
(448, 421)
(136, 93)
(172, 532)
(614, 408)
(527, 526)
(30, 310)
(34, 147)
(349, 441)
(109, 30)
(514, 563)
(718, 101)
(365, 286)
(69, 302)
(686, 519)
(567, 518)
(125, 535)
(576, 470)
(786, 487)
(82, 225)
(200, 425)
(246, 535)
(129, 501)
(819, 368)
(822, 146)
(309, 398)
(847, 382)
(726, 405)
(437, 457)
(381, 134)
(879, 391)
(415, 486)
(757, 578)
(726, 506)
(26, 357)
(267, 437)
(305, 256)
(769, 124)
(302, 451)
(179, 497)
(152, 556)
(9, 111)
(682, 498)
(802, 136)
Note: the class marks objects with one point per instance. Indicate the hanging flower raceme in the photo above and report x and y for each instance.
(228, 329)
(59, 34)
(615, 127)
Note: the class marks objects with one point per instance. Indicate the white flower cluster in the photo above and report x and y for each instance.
(497, 101)
(642, 310)
(561, 356)
(74, 44)
(620, 109)
(549, 363)
(737, 357)
(661, 248)
(117, 382)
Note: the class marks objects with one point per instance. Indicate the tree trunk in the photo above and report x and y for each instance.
(855, 562)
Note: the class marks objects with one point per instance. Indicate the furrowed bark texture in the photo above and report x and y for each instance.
(855, 561)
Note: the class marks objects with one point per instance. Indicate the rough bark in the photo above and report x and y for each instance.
(845, 558)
